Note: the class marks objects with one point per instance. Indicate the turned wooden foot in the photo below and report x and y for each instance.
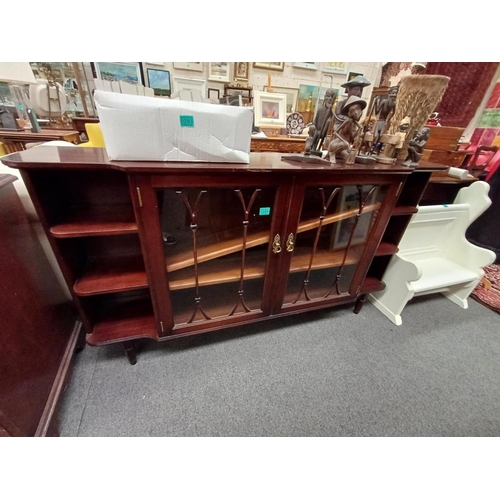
(359, 303)
(130, 351)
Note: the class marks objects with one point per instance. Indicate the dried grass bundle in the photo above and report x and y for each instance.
(417, 98)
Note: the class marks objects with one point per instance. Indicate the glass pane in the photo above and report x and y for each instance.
(215, 242)
(334, 227)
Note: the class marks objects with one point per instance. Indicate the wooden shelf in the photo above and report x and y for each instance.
(124, 319)
(386, 249)
(228, 269)
(109, 222)
(371, 285)
(223, 270)
(112, 274)
(405, 210)
(231, 241)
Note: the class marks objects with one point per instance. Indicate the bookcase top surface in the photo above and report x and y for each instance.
(97, 158)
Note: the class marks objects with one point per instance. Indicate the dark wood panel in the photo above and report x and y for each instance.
(94, 224)
(92, 159)
(123, 319)
(112, 274)
(36, 323)
(124, 299)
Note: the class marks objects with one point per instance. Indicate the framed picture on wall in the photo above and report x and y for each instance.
(214, 95)
(219, 71)
(241, 70)
(270, 109)
(278, 66)
(159, 81)
(351, 76)
(190, 84)
(335, 67)
(119, 72)
(190, 66)
(306, 65)
(291, 96)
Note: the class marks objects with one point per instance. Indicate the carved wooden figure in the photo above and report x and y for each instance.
(417, 145)
(344, 137)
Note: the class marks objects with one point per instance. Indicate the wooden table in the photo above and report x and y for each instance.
(14, 140)
(279, 143)
(80, 122)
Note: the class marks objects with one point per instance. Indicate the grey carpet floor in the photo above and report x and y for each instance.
(322, 373)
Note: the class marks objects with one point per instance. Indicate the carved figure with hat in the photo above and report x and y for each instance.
(349, 131)
(354, 88)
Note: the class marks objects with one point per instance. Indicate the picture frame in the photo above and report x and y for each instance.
(306, 65)
(351, 76)
(219, 71)
(191, 84)
(245, 93)
(213, 94)
(159, 81)
(269, 109)
(349, 201)
(119, 71)
(291, 96)
(241, 71)
(276, 66)
(190, 66)
(306, 91)
(335, 67)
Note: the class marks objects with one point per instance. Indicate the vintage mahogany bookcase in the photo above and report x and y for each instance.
(252, 241)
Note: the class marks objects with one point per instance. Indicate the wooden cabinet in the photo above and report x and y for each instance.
(155, 250)
(38, 331)
(442, 146)
(280, 143)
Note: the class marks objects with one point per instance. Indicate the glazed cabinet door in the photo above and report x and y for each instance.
(333, 232)
(213, 247)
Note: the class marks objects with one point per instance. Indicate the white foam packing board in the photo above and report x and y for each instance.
(144, 128)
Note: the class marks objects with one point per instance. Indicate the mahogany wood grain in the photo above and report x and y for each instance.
(17, 140)
(184, 257)
(404, 210)
(36, 323)
(97, 158)
(124, 320)
(228, 270)
(112, 274)
(94, 224)
(122, 301)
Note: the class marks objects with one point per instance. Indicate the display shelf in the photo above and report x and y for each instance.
(386, 249)
(371, 284)
(133, 319)
(106, 223)
(228, 269)
(231, 241)
(112, 274)
(405, 210)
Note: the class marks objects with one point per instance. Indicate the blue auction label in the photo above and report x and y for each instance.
(264, 210)
(187, 120)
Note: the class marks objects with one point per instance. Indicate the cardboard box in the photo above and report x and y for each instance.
(149, 128)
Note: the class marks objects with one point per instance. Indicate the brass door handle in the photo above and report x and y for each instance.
(277, 244)
(290, 245)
